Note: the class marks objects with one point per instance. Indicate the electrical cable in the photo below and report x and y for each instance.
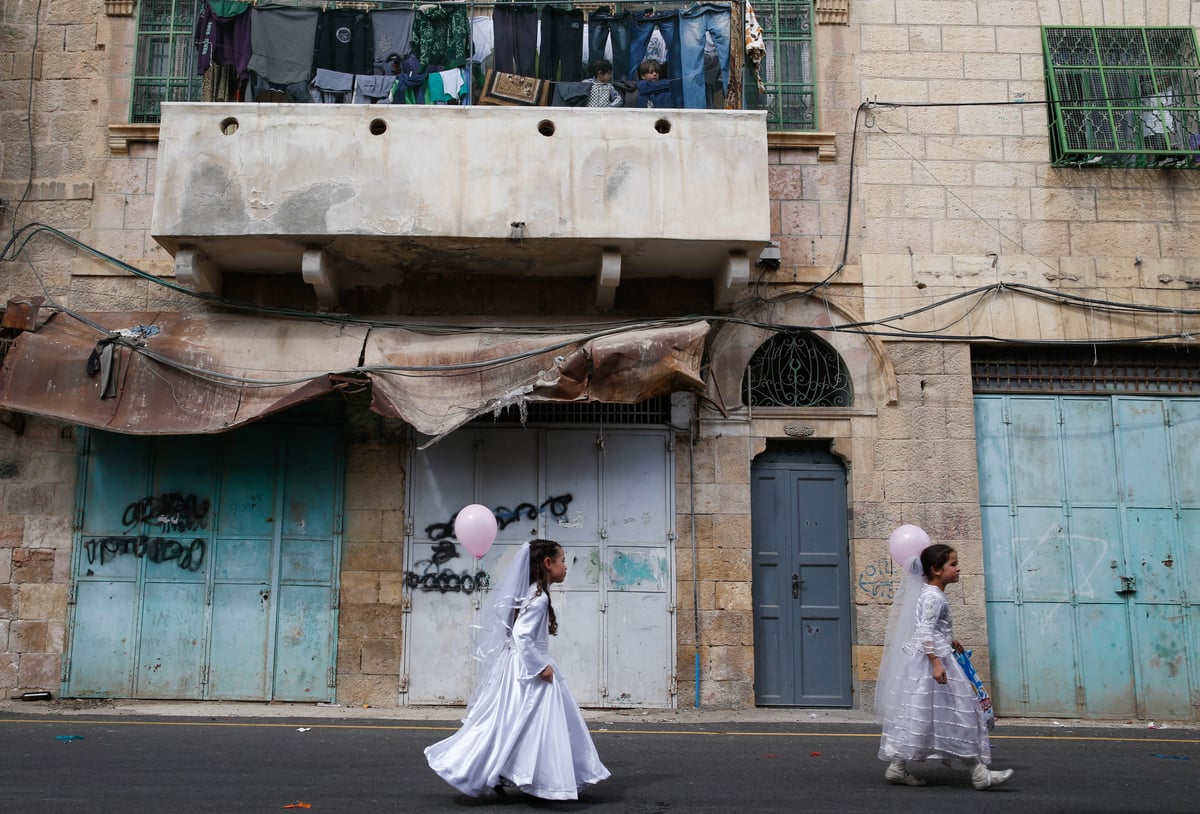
(37, 27)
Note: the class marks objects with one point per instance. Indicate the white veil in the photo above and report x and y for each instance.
(902, 623)
(492, 626)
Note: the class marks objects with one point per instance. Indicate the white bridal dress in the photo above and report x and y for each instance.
(922, 719)
(521, 730)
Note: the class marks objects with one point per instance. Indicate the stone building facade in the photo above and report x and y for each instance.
(924, 220)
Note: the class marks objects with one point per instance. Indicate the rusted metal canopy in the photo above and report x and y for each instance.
(156, 373)
(172, 373)
(475, 373)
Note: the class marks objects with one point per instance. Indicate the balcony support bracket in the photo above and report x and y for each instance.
(195, 270)
(733, 280)
(608, 278)
(318, 272)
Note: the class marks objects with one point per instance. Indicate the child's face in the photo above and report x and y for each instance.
(948, 573)
(650, 75)
(603, 77)
(556, 567)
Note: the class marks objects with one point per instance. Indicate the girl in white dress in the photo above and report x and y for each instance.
(926, 705)
(522, 727)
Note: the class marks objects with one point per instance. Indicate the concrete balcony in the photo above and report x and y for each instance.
(358, 196)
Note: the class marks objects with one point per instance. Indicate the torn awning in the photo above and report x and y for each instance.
(474, 373)
(194, 373)
(177, 374)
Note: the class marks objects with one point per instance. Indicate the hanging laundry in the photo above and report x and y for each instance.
(282, 41)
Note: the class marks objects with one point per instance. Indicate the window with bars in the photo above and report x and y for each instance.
(1123, 97)
(797, 370)
(788, 89)
(164, 65)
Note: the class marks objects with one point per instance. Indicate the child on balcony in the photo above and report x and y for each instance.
(652, 91)
(601, 92)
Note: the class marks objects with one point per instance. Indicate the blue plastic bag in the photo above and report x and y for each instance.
(985, 700)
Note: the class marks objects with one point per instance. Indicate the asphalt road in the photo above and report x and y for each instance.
(51, 763)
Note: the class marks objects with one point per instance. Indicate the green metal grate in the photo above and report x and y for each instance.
(1123, 97)
(165, 61)
(787, 69)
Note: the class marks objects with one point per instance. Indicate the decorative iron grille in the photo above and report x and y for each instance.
(1123, 97)
(796, 370)
(1085, 370)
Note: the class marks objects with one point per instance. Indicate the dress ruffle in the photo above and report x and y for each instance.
(930, 720)
(520, 727)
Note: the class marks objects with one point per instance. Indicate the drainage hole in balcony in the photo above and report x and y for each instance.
(663, 126)
(229, 126)
(546, 127)
(378, 127)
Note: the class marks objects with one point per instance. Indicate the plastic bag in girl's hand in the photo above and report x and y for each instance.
(985, 700)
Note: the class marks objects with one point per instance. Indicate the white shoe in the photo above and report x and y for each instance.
(982, 778)
(897, 773)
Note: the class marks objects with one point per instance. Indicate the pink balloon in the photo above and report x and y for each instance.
(475, 528)
(906, 542)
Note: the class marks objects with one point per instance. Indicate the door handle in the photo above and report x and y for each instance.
(795, 586)
(1128, 585)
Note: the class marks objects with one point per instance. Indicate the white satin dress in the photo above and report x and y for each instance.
(520, 727)
(932, 720)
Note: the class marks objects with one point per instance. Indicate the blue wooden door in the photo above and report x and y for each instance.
(206, 567)
(801, 582)
(1088, 504)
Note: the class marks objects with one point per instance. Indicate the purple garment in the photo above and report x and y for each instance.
(222, 41)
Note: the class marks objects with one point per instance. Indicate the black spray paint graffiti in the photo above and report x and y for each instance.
(171, 512)
(557, 505)
(505, 516)
(188, 556)
(445, 580)
(433, 577)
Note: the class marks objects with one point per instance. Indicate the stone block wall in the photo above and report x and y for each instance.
(922, 471)
(718, 553)
(38, 469)
(958, 192)
(370, 615)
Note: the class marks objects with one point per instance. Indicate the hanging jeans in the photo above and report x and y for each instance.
(601, 24)
(667, 23)
(515, 33)
(562, 45)
(701, 19)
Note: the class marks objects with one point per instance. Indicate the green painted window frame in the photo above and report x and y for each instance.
(788, 70)
(164, 62)
(1123, 96)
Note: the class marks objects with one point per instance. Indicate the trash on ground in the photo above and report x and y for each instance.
(1169, 757)
(33, 695)
(68, 738)
(304, 729)
(298, 804)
